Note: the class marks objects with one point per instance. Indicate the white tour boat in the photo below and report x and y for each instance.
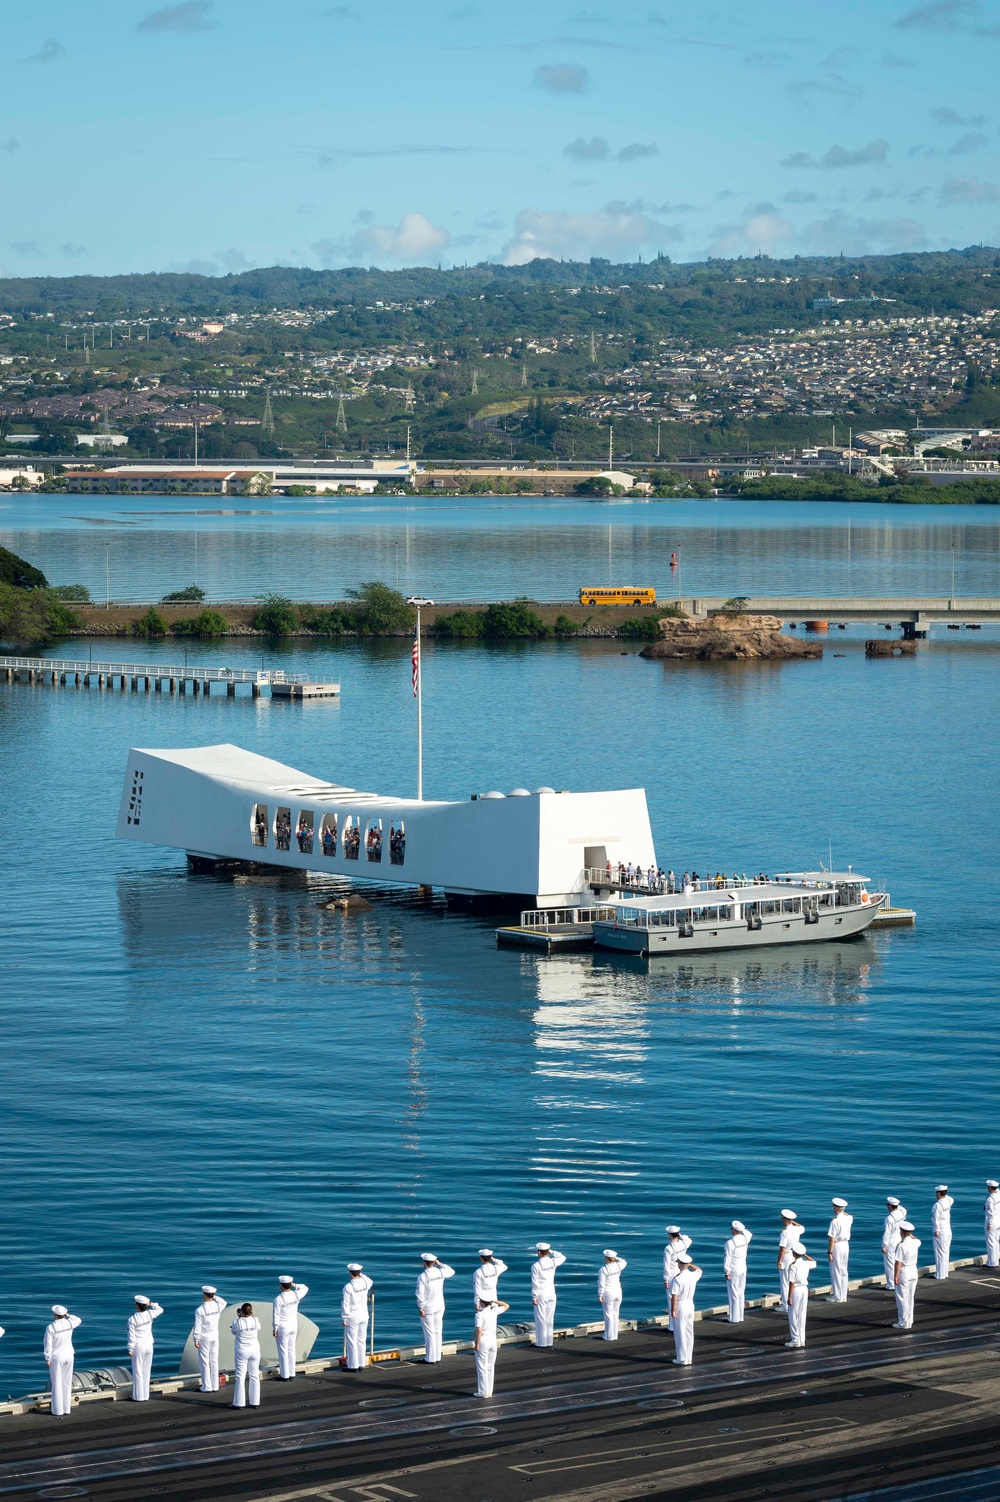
(798, 907)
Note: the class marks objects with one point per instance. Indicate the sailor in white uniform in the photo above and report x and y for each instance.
(676, 1242)
(206, 1336)
(682, 1288)
(609, 1291)
(905, 1276)
(991, 1212)
(246, 1349)
(734, 1263)
(430, 1303)
(839, 1250)
(285, 1323)
(354, 1313)
(140, 1345)
(798, 1295)
(485, 1344)
(59, 1357)
(941, 1226)
(543, 1291)
(484, 1284)
(791, 1232)
(890, 1239)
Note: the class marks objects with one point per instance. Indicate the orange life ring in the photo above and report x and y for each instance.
(864, 897)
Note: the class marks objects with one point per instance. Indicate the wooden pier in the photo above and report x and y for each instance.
(161, 677)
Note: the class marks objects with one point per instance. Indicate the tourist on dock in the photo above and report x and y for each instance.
(140, 1345)
(609, 1291)
(484, 1284)
(59, 1357)
(285, 1323)
(798, 1295)
(791, 1233)
(839, 1250)
(486, 1344)
(246, 1346)
(676, 1243)
(941, 1226)
(991, 1210)
(682, 1289)
(905, 1275)
(890, 1239)
(206, 1336)
(543, 1291)
(671, 882)
(329, 841)
(734, 1264)
(430, 1303)
(354, 1313)
(686, 883)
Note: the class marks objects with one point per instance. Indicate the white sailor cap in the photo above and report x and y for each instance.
(207, 1288)
(906, 1225)
(485, 1251)
(673, 1230)
(799, 1250)
(683, 1257)
(891, 1200)
(428, 1256)
(354, 1267)
(738, 1225)
(840, 1202)
(992, 1184)
(140, 1298)
(789, 1215)
(60, 1311)
(608, 1252)
(543, 1246)
(941, 1189)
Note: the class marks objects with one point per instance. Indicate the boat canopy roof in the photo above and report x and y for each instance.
(713, 897)
(819, 878)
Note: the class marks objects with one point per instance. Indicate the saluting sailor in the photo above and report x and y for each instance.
(734, 1263)
(140, 1345)
(485, 1344)
(543, 1291)
(676, 1243)
(285, 1323)
(890, 1239)
(609, 1291)
(206, 1336)
(430, 1303)
(839, 1250)
(905, 1275)
(59, 1357)
(798, 1295)
(941, 1226)
(354, 1313)
(484, 1284)
(991, 1211)
(791, 1232)
(682, 1288)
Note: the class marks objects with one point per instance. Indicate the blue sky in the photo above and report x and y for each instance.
(216, 135)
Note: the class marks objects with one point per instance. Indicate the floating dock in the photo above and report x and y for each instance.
(161, 677)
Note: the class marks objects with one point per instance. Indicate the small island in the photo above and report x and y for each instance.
(727, 637)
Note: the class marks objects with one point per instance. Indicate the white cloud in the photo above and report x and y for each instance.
(972, 140)
(761, 229)
(191, 15)
(636, 150)
(874, 154)
(945, 115)
(412, 241)
(842, 232)
(940, 15)
(561, 78)
(968, 190)
(594, 150)
(11, 145)
(49, 52)
(617, 232)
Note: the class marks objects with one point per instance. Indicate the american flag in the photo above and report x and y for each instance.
(415, 664)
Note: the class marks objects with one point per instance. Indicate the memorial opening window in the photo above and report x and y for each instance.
(352, 838)
(283, 829)
(328, 836)
(397, 844)
(304, 831)
(258, 824)
(373, 840)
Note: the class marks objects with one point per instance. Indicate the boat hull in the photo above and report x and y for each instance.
(781, 928)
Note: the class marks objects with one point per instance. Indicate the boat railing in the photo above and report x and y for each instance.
(600, 876)
(557, 917)
(153, 670)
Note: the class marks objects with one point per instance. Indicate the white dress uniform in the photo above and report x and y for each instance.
(59, 1353)
(484, 1284)
(839, 1232)
(798, 1298)
(609, 1291)
(206, 1338)
(734, 1264)
(791, 1233)
(671, 1267)
(285, 1324)
(430, 1303)
(941, 1226)
(991, 1213)
(140, 1348)
(682, 1288)
(890, 1241)
(246, 1345)
(543, 1293)
(906, 1282)
(486, 1355)
(354, 1313)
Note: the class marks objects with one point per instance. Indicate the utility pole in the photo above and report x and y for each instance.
(267, 420)
(407, 443)
(611, 447)
(196, 445)
(341, 423)
(475, 381)
(657, 440)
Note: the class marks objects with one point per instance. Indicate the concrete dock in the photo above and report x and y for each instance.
(864, 1411)
(162, 677)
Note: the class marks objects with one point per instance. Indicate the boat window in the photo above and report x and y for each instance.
(328, 835)
(283, 829)
(258, 824)
(397, 843)
(304, 831)
(352, 838)
(373, 840)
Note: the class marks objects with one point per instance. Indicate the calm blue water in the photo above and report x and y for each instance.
(218, 1081)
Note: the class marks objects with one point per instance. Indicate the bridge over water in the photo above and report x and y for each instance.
(913, 613)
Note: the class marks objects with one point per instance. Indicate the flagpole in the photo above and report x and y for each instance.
(418, 688)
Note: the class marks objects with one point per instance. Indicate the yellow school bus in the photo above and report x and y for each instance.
(621, 596)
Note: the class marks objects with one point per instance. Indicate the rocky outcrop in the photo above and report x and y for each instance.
(724, 638)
